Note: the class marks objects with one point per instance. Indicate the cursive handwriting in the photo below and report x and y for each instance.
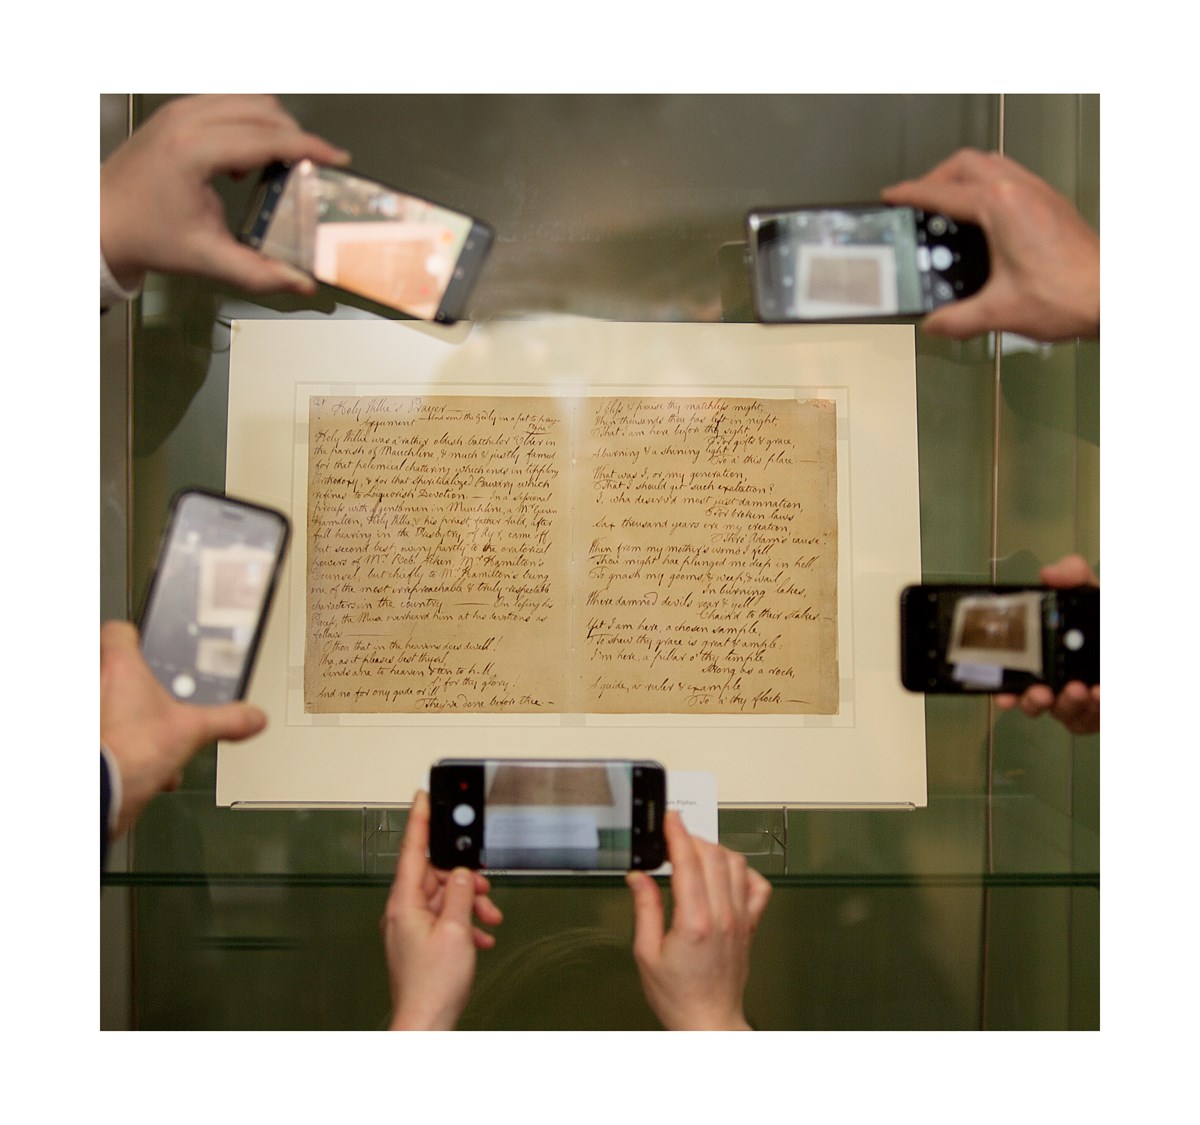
(464, 556)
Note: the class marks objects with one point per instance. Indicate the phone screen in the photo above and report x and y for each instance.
(542, 815)
(990, 634)
(839, 263)
(359, 235)
(999, 639)
(861, 262)
(209, 595)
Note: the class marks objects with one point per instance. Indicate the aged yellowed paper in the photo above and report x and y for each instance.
(711, 565)
(437, 552)
(614, 555)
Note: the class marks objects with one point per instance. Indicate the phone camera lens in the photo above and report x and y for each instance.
(937, 225)
(463, 843)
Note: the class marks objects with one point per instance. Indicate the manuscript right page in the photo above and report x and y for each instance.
(709, 528)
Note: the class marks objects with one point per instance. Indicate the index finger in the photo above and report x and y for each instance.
(951, 187)
(758, 894)
(210, 110)
(232, 149)
(965, 164)
(955, 198)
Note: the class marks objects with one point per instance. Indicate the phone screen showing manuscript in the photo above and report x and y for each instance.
(987, 635)
(361, 236)
(847, 263)
(569, 815)
(202, 615)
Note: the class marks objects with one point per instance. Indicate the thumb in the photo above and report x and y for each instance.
(647, 916)
(240, 265)
(960, 320)
(231, 721)
(118, 636)
(459, 898)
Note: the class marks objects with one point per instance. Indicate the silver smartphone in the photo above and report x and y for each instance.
(208, 598)
(357, 234)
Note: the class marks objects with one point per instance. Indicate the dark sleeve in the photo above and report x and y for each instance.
(105, 802)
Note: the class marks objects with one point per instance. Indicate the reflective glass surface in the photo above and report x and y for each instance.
(980, 911)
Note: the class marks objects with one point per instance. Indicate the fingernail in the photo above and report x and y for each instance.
(462, 877)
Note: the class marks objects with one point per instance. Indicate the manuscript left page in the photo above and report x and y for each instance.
(436, 556)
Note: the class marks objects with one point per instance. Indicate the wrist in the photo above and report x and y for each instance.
(414, 1019)
(711, 1022)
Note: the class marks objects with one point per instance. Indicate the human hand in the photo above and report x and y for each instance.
(428, 934)
(148, 731)
(695, 976)
(159, 210)
(1045, 260)
(1077, 706)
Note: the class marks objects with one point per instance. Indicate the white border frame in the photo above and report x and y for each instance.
(871, 753)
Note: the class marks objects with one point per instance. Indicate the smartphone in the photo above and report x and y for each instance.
(543, 815)
(405, 252)
(860, 262)
(962, 638)
(207, 601)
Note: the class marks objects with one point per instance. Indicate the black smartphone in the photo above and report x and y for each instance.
(545, 815)
(403, 251)
(963, 638)
(866, 261)
(207, 602)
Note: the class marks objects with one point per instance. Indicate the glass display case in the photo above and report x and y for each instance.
(979, 911)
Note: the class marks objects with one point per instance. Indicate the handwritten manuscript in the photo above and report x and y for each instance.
(606, 554)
